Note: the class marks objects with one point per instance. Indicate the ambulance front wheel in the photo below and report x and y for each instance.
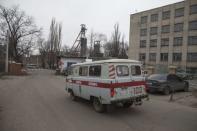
(72, 96)
(127, 104)
(98, 106)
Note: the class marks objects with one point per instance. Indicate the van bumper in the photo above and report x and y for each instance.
(131, 99)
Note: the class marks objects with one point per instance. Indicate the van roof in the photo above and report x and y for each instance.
(109, 61)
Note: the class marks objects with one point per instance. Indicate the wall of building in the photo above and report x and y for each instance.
(65, 62)
(136, 27)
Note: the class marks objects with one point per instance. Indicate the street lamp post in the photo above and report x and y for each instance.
(7, 51)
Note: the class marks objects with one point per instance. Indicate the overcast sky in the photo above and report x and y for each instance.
(99, 15)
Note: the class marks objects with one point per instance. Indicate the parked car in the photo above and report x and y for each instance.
(185, 75)
(31, 66)
(166, 83)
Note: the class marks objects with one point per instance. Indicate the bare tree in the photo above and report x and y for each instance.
(65, 50)
(92, 39)
(43, 49)
(116, 35)
(54, 41)
(123, 48)
(116, 47)
(112, 47)
(20, 30)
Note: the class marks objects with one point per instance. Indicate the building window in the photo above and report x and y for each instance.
(193, 25)
(166, 15)
(144, 19)
(165, 42)
(83, 71)
(178, 27)
(177, 57)
(193, 9)
(154, 17)
(143, 32)
(192, 40)
(153, 43)
(153, 30)
(192, 57)
(164, 56)
(178, 41)
(165, 29)
(142, 56)
(142, 43)
(95, 71)
(179, 12)
(152, 57)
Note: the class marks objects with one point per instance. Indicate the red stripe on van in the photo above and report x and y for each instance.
(112, 74)
(111, 70)
(108, 85)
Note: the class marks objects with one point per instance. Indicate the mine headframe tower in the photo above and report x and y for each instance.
(79, 47)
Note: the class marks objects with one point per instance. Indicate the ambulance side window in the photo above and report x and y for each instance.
(122, 70)
(135, 70)
(83, 71)
(95, 70)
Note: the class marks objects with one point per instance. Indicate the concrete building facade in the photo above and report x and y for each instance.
(165, 37)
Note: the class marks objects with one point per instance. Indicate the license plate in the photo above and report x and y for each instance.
(137, 90)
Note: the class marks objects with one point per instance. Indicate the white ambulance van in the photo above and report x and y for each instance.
(105, 82)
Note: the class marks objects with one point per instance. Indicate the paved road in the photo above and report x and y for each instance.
(38, 102)
(193, 83)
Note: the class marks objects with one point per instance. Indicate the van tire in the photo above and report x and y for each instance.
(98, 106)
(72, 96)
(186, 88)
(127, 104)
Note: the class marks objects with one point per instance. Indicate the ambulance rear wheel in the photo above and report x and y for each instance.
(98, 106)
(127, 104)
(72, 96)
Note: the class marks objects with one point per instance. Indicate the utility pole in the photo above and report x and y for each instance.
(7, 52)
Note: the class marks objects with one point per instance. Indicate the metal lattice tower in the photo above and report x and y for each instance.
(79, 47)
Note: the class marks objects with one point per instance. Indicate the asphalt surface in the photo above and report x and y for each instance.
(38, 102)
(193, 83)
